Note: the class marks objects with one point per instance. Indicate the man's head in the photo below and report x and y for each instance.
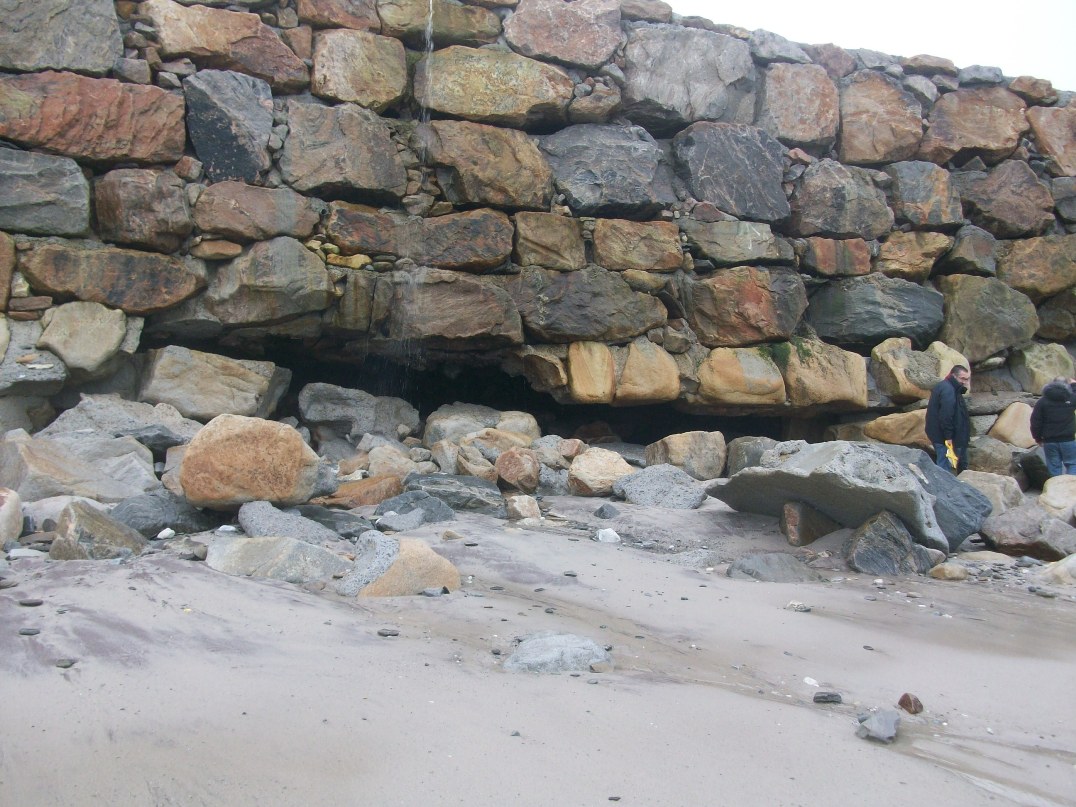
(961, 374)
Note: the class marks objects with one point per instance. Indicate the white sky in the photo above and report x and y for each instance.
(1022, 37)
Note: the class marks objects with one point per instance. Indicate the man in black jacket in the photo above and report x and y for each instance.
(1053, 425)
(948, 424)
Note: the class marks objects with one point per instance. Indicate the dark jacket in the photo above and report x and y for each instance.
(947, 413)
(1053, 419)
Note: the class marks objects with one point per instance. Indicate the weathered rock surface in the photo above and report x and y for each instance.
(84, 335)
(903, 374)
(1009, 201)
(883, 546)
(235, 459)
(359, 67)
(449, 23)
(354, 412)
(490, 86)
(1038, 267)
(911, 256)
(142, 208)
(416, 568)
(203, 385)
(486, 165)
(840, 202)
(581, 34)
(675, 76)
(977, 122)
(1013, 426)
(85, 533)
(744, 305)
(99, 120)
(1057, 317)
(735, 243)
(42, 195)
(594, 471)
(135, 282)
(773, 567)
(433, 510)
(880, 121)
(261, 520)
(845, 481)
(818, 374)
(591, 370)
(923, 195)
(156, 510)
(549, 652)
(549, 241)
(700, 454)
(358, 14)
(984, 315)
(799, 105)
(1038, 364)
(1055, 135)
(740, 377)
(340, 150)
(660, 486)
(831, 257)
(652, 246)
(230, 118)
(1002, 491)
(277, 558)
(225, 40)
(860, 312)
(801, 524)
(609, 170)
(735, 167)
(1030, 530)
(59, 35)
(461, 493)
(243, 213)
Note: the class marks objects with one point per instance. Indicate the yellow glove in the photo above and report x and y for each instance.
(950, 454)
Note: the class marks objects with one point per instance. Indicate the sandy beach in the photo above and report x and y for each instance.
(191, 687)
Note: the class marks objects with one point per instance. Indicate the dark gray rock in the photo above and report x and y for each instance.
(769, 47)
(1033, 463)
(346, 525)
(274, 557)
(848, 482)
(973, 253)
(746, 452)
(82, 36)
(355, 413)
(461, 493)
(1009, 201)
(613, 171)
(43, 377)
(152, 512)
(1030, 530)
(631, 453)
(375, 552)
(553, 481)
(433, 510)
(399, 522)
(230, 119)
(41, 194)
(261, 519)
(860, 312)
(979, 74)
(838, 201)
(661, 486)
(923, 195)
(773, 567)
(606, 511)
(883, 546)
(549, 652)
(735, 167)
(959, 508)
(881, 726)
(116, 417)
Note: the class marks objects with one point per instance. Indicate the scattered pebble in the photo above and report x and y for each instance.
(827, 697)
(470, 543)
(910, 704)
(66, 663)
(28, 631)
(31, 603)
(388, 632)
(795, 605)
(7, 584)
(570, 574)
(166, 533)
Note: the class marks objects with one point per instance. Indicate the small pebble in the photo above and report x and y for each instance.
(550, 610)
(28, 631)
(31, 603)
(910, 704)
(65, 663)
(8, 584)
(470, 543)
(570, 574)
(515, 734)
(827, 697)
(388, 632)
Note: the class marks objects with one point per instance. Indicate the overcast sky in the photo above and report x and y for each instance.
(1022, 37)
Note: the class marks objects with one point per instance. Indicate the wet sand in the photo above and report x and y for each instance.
(195, 688)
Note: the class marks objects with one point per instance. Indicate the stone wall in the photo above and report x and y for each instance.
(622, 205)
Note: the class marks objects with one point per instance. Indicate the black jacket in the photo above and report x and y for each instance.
(1053, 419)
(947, 413)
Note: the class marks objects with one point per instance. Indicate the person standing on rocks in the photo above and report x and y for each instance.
(948, 423)
(1053, 425)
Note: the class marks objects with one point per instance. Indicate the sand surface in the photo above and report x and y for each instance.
(195, 688)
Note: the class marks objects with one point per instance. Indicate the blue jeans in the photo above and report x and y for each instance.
(943, 461)
(1060, 457)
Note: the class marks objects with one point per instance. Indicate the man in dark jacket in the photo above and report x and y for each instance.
(948, 424)
(1053, 425)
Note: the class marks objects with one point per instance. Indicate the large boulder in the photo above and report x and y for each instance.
(359, 67)
(902, 374)
(744, 305)
(203, 385)
(548, 240)
(860, 312)
(486, 165)
(675, 76)
(230, 119)
(1038, 364)
(923, 195)
(593, 472)
(836, 257)
(739, 376)
(61, 113)
(276, 558)
(85, 533)
(492, 86)
(735, 167)
(647, 375)
(581, 34)
(261, 519)
(446, 22)
(911, 256)
(83, 37)
(591, 371)
(883, 546)
(360, 15)
(1002, 491)
(1030, 530)
(1054, 130)
(735, 243)
(609, 170)
(156, 510)
(700, 454)
(157, 427)
(799, 105)
(818, 374)
(461, 493)
(142, 208)
(1009, 201)
(42, 195)
(984, 316)
(241, 212)
(1038, 267)
(846, 481)
(984, 122)
(235, 459)
(839, 201)
(660, 486)
(881, 122)
(415, 569)
(86, 336)
(649, 246)
(227, 40)
(354, 412)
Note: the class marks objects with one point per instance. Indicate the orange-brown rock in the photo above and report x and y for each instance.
(142, 208)
(7, 268)
(740, 376)
(1038, 267)
(234, 459)
(583, 33)
(449, 22)
(226, 40)
(799, 105)
(594, 471)
(819, 374)
(244, 212)
(362, 492)
(1055, 135)
(416, 568)
(358, 14)
(135, 282)
(902, 429)
(649, 246)
(95, 119)
(985, 122)
(745, 305)
(880, 121)
(360, 67)
(649, 375)
(1034, 90)
(591, 372)
(831, 257)
(911, 255)
(549, 241)
(519, 468)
